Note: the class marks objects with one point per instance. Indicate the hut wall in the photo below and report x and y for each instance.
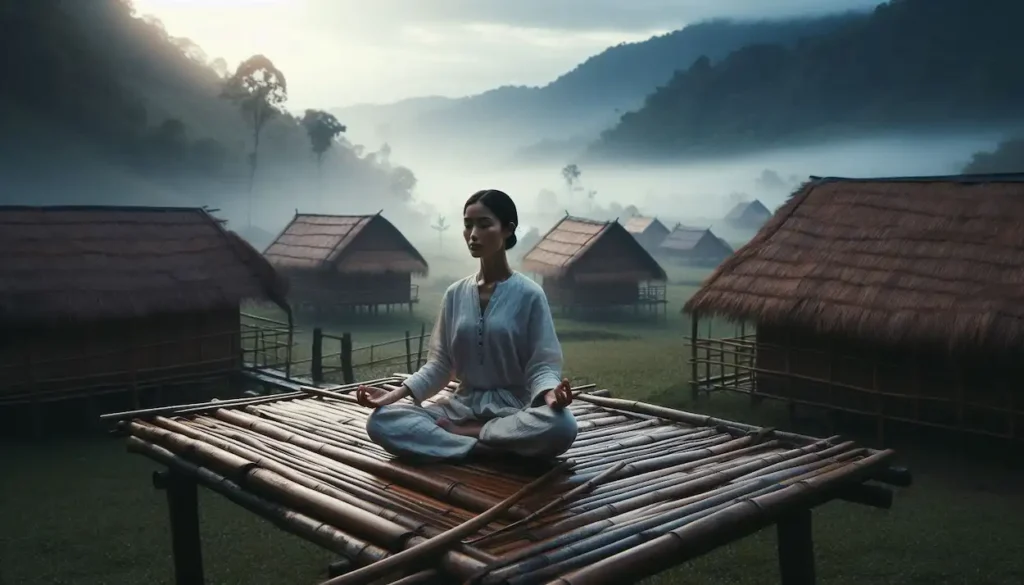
(80, 358)
(963, 391)
(324, 289)
(568, 292)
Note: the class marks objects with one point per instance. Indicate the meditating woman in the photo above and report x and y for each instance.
(496, 336)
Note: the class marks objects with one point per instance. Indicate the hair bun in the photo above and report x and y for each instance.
(510, 242)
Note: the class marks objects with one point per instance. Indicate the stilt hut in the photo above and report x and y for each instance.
(648, 231)
(694, 246)
(347, 262)
(896, 299)
(587, 264)
(103, 300)
(748, 215)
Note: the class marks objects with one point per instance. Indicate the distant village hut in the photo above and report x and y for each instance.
(695, 246)
(649, 231)
(748, 215)
(896, 299)
(587, 264)
(113, 302)
(347, 262)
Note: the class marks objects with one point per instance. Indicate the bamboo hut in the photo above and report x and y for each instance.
(895, 299)
(103, 300)
(694, 246)
(748, 215)
(587, 264)
(642, 489)
(649, 231)
(347, 262)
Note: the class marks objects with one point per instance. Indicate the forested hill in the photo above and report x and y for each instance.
(99, 106)
(912, 64)
(585, 100)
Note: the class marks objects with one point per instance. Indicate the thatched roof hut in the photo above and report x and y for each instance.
(748, 215)
(347, 260)
(899, 260)
(588, 250)
(924, 273)
(595, 263)
(98, 300)
(87, 263)
(344, 243)
(695, 245)
(649, 231)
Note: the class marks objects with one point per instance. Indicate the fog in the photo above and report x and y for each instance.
(693, 193)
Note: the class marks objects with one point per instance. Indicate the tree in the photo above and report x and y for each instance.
(322, 128)
(403, 181)
(440, 227)
(260, 90)
(571, 175)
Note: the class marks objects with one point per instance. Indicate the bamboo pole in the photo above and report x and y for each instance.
(287, 519)
(439, 543)
(555, 503)
(735, 521)
(460, 494)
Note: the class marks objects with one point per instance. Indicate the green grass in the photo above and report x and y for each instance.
(85, 511)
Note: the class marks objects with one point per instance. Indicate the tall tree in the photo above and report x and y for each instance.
(260, 90)
(571, 175)
(322, 128)
(440, 227)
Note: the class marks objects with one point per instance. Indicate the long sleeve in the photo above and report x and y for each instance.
(437, 372)
(544, 361)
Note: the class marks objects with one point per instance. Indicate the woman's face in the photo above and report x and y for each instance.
(483, 232)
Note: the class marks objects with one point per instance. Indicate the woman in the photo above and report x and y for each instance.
(495, 334)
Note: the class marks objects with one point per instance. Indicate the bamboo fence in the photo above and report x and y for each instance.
(643, 487)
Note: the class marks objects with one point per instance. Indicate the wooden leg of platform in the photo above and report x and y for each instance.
(796, 549)
(183, 504)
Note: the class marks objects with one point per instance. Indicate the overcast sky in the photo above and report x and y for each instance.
(340, 52)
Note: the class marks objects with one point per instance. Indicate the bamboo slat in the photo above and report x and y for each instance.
(649, 487)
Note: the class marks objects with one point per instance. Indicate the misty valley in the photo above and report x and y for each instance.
(574, 292)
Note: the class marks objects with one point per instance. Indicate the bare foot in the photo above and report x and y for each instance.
(466, 430)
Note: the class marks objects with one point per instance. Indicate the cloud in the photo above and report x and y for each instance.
(622, 15)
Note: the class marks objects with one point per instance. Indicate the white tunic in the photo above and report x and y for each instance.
(505, 357)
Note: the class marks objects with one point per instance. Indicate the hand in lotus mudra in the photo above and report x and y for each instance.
(560, 396)
(373, 397)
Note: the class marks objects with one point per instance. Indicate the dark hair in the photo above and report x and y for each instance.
(503, 208)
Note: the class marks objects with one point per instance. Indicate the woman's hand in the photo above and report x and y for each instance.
(373, 397)
(560, 396)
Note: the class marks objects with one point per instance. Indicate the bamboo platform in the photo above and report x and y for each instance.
(643, 488)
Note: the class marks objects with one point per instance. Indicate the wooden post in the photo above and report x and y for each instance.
(408, 352)
(346, 359)
(694, 383)
(879, 403)
(317, 364)
(183, 505)
(796, 548)
(419, 350)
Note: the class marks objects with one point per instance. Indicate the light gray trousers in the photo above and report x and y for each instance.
(509, 426)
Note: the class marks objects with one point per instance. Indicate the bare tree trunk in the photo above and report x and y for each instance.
(254, 160)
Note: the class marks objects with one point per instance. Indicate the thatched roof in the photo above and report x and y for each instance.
(591, 250)
(748, 211)
(914, 260)
(98, 262)
(684, 238)
(344, 243)
(638, 224)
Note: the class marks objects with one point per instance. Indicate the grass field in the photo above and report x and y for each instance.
(85, 513)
